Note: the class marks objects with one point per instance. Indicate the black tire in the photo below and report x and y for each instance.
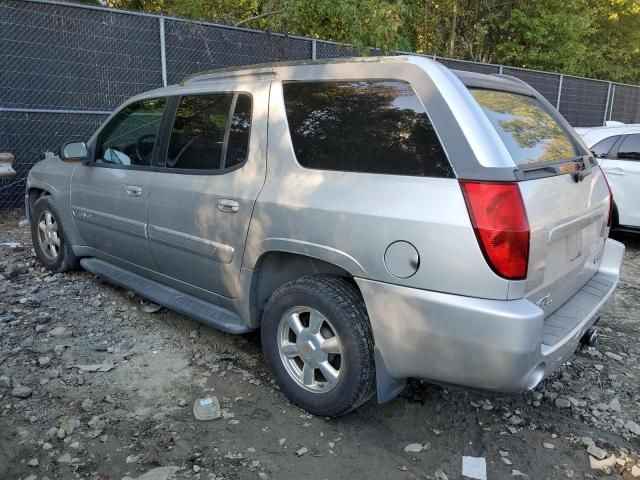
(615, 221)
(341, 304)
(65, 260)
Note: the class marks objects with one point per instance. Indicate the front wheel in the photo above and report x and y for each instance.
(48, 237)
(317, 342)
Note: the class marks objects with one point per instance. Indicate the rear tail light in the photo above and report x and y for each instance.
(500, 222)
(610, 219)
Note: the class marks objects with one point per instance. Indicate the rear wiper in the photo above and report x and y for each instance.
(581, 173)
(578, 167)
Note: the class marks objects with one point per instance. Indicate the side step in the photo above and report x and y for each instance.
(205, 312)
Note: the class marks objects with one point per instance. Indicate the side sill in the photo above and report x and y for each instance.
(205, 312)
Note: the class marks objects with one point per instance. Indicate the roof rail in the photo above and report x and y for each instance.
(268, 68)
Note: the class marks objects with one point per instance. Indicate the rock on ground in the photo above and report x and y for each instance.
(21, 391)
(160, 473)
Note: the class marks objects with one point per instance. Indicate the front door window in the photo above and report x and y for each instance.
(130, 136)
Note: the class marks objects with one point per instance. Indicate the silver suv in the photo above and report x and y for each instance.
(376, 219)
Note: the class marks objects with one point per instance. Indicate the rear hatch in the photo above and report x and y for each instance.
(565, 196)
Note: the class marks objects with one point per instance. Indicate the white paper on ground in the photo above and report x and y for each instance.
(474, 467)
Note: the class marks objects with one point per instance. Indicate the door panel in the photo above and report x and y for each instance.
(106, 217)
(623, 175)
(199, 216)
(109, 195)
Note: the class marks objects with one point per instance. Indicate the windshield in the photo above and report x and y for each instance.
(528, 131)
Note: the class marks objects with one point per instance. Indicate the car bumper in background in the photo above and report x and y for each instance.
(488, 344)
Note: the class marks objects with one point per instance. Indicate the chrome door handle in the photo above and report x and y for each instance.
(133, 190)
(228, 206)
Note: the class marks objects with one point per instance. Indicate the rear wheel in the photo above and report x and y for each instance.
(317, 341)
(48, 237)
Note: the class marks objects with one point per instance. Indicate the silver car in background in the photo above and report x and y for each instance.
(377, 219)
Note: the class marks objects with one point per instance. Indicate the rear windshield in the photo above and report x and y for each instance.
(530, 133)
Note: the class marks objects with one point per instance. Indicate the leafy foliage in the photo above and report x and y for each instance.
(597, 38)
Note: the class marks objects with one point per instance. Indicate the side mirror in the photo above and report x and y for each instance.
(74, 152)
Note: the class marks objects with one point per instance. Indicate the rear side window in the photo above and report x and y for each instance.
(529, 132)
(601, 148)
(630, 148)
(210, 132)
(363, 126)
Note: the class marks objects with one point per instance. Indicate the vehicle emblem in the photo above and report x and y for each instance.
(545, 301)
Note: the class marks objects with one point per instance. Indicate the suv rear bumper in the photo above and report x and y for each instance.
(488, 344)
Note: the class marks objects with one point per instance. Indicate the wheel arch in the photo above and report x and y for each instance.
(33, 194)
(274, 268)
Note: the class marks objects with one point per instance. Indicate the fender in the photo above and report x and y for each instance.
(309, 249)
(38, 184)
(54, 176)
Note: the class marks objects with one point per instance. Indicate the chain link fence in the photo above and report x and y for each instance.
(548, 84)
(624, 103)
(64, 67)
(194, 47)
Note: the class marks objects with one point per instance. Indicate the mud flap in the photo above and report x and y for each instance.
(387, 386)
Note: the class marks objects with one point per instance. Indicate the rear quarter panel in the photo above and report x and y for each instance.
(351, 218)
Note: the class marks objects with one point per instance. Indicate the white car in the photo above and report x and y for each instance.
(617, 148)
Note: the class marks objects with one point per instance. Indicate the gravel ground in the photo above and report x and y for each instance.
(92, 385)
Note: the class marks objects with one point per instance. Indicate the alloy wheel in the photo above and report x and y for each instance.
(48, 235)
(310, 349)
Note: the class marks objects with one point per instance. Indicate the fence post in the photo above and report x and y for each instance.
(500, 68)
(163, 52)
(559, 93)
(314, 55)
(606, 109)
(613, 96)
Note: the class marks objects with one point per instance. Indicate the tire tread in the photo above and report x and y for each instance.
(342, 294)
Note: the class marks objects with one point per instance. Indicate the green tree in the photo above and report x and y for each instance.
(546, 35)
(596, 38)
(614, 41)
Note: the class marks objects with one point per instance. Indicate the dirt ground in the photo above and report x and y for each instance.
(92, 386)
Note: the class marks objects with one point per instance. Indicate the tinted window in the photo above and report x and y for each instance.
(129, 137)
(203, 132)
(630, 148)
(239, 132)
(363, 126)
(529, 132)
(601, 148)
(197, 136)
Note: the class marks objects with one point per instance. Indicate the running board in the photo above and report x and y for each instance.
(205, 312)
